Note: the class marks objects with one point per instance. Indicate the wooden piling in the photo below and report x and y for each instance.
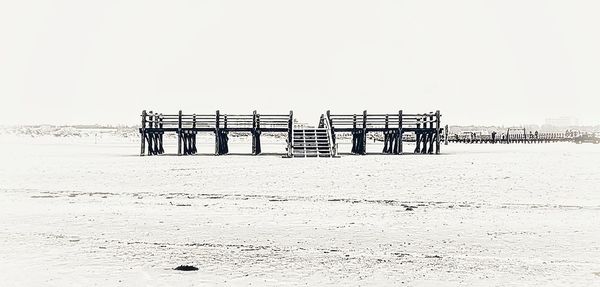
(364, 133)
(217, 133)
(143, 132)
(179, 136)
(437, 132)
(254, 132)
(160, 140)
(418, 137)
(154, 124)
(400, 132)
(290, 133)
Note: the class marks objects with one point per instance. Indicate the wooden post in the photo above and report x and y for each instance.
(179, 139)
(418, 136)
(143, 133)
(400, 131)
(290, 133)
(364, 151)
(193, 148)
(446, 135)
(424, 136)
(160, 141)
(217, 135)
(258, 133)
(254, 132)
(154, 124)
(431, 135)
(437, 132)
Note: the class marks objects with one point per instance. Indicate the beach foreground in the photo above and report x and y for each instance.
(79, 213)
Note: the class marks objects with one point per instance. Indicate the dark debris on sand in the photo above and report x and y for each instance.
(186, 268)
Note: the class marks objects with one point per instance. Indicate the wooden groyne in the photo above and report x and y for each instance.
(301, 142)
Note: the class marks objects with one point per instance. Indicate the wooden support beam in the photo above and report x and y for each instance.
(179, 138)
(437, 132)
(155, 145)
(143, 133)
(400, 131)
(254, 118)
(418, 137)
(217, 135)
(290, 134)
(161, 149)
(431, 135)
(364, 145)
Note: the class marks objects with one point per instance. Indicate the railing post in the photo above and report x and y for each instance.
(179, 139)
(418, 135)
(254, 132)
(364, 146)
(290, 133)
(160, 141)
(431, 135)
(155, 137)
(143, 133)
(217, 135)
(400, 131)
(437, 132)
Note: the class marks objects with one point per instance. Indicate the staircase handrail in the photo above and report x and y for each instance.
(327, 126)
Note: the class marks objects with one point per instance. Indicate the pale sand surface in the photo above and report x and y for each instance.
(75, 213)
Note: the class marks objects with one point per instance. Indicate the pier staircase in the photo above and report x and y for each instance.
(311, 142)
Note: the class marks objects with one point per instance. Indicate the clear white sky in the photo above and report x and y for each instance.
(479, 61)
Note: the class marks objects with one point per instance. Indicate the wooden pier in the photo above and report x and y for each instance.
(303, 142)
(510, 136)
(186, 126)
(425, 127)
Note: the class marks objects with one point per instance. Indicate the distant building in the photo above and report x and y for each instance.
(562, 122)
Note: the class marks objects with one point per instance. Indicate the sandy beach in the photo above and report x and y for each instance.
(89, 212)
